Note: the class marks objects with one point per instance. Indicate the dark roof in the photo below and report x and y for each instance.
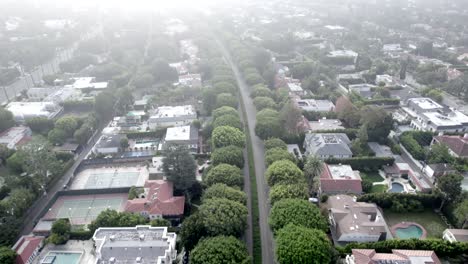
(457, 144)
(441, 167)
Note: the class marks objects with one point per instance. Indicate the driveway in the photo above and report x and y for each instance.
(259, 162)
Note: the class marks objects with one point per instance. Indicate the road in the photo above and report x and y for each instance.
(259, 162)
(28, 80)
(33, 213)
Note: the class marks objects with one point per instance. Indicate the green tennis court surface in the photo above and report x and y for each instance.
(111, 180)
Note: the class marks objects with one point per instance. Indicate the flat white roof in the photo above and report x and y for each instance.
(178, 133)
(32, 109)
(343, 53)
(294, 87)
(342, 172)
(454, 118)
(426, 103)
(173, 111)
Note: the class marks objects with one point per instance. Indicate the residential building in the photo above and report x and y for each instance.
(88, 83)
(455, 235)
(457, 145)
(190, 80)
(167, 116)
(428, 115)
(328, 145)
(23, 111)
(340, 179)
(313, 105)
(141, 104)
(344, 54)
(353, 221)
(364, 89)
(157, 201)
(392, 48)
(140, 244)
(351, 78)
(183, 136)
(27, 248)
(62, 95)
(398, 256)
(15, 136)
(39, 93)
(386, 79)
(108, 144)
(434, 171)
(325, 124)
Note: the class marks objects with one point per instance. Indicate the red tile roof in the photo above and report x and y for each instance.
(369, 256)
(25, 247)
(158, 201)
(457, 144)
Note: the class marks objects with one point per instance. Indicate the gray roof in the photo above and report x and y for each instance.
(109, 141)
(327, 144)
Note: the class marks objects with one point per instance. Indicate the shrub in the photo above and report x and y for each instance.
(221, 190)
(275, 143)
(285, 191)
(226, 174)
(230, 155)
(284, 172)
(297, 212)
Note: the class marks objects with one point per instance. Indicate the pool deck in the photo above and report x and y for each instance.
(85, 247)
(406, 225)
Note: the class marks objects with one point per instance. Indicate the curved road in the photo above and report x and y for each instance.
(259, 160)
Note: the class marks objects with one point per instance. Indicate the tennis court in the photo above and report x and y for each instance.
(110, 177)
(82, 209)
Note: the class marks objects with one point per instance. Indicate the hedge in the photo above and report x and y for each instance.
(78, 105)
(313, 115)
(383, 101)
(149, 134)
(81, 235)
(441, 247)
(364, 163)
(386, 200)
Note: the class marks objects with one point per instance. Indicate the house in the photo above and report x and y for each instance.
(23, 111)
(295, 89)
(325, 124)
(455, 235)
(427, 115)
(340, 179)
(88, 83)
(108, 144)
(391, 48)
(141, 104)
(167, 116)
(182, 136)
(343, 55)
(328, 145)
(64, 94)
(27, 248)
(139, 244)
(386, 79)
(313, 105)
(190, 80)
(157, 201)
(39, 93)
(363, 89)
(353, 221)
(398, 256)
(457, 145)
(434, 171)
(15, 136)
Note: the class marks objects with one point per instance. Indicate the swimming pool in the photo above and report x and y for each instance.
(56, 257)
(412, 231)
(397, 188)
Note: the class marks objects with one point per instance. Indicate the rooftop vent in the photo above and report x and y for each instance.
(112, 260)
(138, 260)
(142, 237)
(112, 238)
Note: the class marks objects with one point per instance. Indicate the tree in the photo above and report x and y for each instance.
(221, 190)
(225, 87)
(285, 191)
(277, 154)
(10, 226)
(5, 153)
(134, 192)
(219, 250)
(68, 124)
(450, 186)
(209, 99)
(6, 119)
(19, 200)
(378, 123)
(57, 136)
(41, 125)
(226, 136)
(297, 212)
(230, 155)
(144, 80)
(112, 218)
(160, 222)
(228, 120)
(290, 116)
(124, 143)
(253, 78)
(439, 154)
(268, 124)
(7, 255)
(284, 172)
(15, 163)
(461, 214)
(312, 169)
(192, 230)
(180, 167)
(162, 72)
(223, 217)
(297, 244)
(223, 111)
(224, 173)
(261, 90)
(262, 102)
(104, 105)
(226, 99)
(83, 134)
(60, 232)
(272, 143)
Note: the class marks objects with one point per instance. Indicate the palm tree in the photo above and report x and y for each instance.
(312, 169)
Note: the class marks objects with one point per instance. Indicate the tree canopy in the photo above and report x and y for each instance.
(223, 217)
(179, 167)
(230, 155)
(227, 136)
(112, 218)
(298, 212)
(226, 174)
(272, 143)
(220, 250)
(6, 119)
(228, 120)
(226, 99)
(262, 102)
(192, 230)
(221, 190)
(285, 191)
(284, 172)
(277, 154)
(224, 110)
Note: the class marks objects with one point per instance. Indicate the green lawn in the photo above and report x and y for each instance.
(428, 219)
(380, 188)
(372, 176)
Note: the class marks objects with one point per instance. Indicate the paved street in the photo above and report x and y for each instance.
(259, 160)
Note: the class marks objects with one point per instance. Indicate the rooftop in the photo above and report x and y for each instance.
(342, 53)
(24, 110)
(425, 103)
(109, 141)
(15, 135)
(294, 87)
(26, 246)
(325, 124)
(178, 133)
(173, 111)
(343, 172)
(458, 144)
(453, 118)
(398, 256)
(327, 144)
(315, 105)
(88, 83)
